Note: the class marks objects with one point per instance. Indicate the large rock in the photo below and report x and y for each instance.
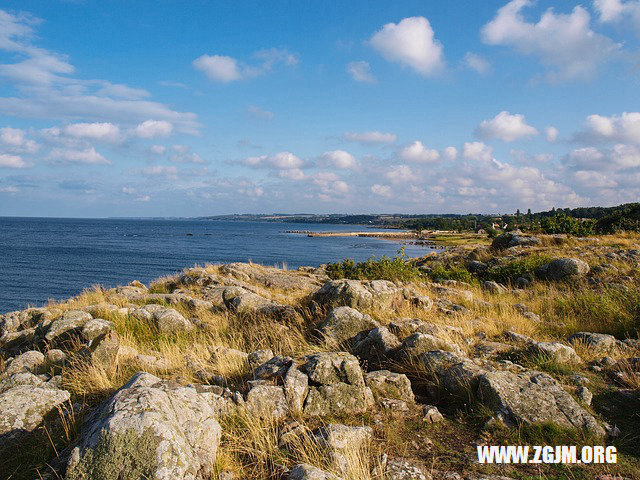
(563, 268)
(336, 385)
(556, 351)
(267, 401)
(333, 367)
(344, 323)
(419, 343)
(357, 294)
(386, 384)
(148, 429)
(296, 389)
(597, 342)
(513, 239)
(533, 397)
(170, 320)
(31, 361)
(344, 444)
(24, 407)
(71, 320)
(338, 399)
(375, 346)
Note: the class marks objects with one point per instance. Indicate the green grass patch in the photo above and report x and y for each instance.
(510, 271)
(384, 268)
(615, 311)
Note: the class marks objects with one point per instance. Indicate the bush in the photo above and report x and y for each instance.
(384, 268)
(512, 270)
(562, 223)
(625, 219)
(451, 272)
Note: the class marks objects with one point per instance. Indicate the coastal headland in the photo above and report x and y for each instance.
(351, 370)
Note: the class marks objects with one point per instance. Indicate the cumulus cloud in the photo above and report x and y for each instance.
(218, 68)
(618, 10)
(477, 151)
(340, 159)
(418, 153)
(450, 153)
(618, 128)
(183, 154)
(15, 140)
(411, 43)
(360, 71)
(94, 131)
(158, 149)
(564, 44)
(401, 174)
(477, 63)
(87, 156)
(12, 161)
(551, 134)
(620, 157)
(225, 69)
(153, 129)
(374, 137)
(505, 127)
(280, 161)
(382, 190)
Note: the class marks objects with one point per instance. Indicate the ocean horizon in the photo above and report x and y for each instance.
(47, 258)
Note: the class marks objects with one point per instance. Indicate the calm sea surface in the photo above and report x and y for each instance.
(46, 258)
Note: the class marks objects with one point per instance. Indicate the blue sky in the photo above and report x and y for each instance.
(194, 108)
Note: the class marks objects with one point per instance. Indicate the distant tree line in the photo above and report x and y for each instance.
(581, 221)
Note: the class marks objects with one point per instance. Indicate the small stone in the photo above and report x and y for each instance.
(584, 395)
(431, 414)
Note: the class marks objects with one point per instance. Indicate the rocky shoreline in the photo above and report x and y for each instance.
(242, 371)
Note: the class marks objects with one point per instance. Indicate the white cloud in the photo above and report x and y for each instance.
(450, 153)
(563, 43)
(143, 198)
(47, 90)
(477, 63)
(128, 190)
(382, 190)
(505, 127)
(218, 68)
(551, 134)
(12, 161)
(592, 179)
(360, 71)
(95, 131)
(418, 153)
(279, 161)
(87, 156)
(620, 128)
(9, 189)
(401, 174)
(411, 43)
(620, 157)
(14, 140)
(618, 10)
(477, 151)
(370, 137)
(340, 159)
(292, 174)
(153, 128)
(225, 69)
(261, 113)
